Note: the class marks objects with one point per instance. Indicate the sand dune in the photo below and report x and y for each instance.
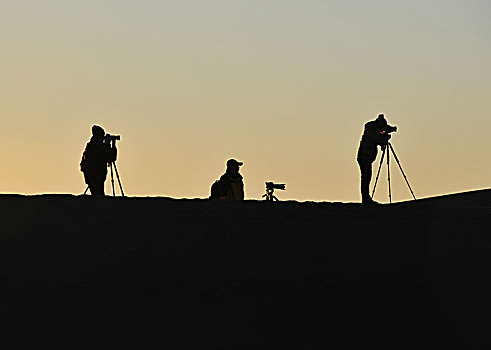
(79, 272)
(478, 198)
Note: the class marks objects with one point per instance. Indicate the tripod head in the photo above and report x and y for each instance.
(385, 145)
(386, 132)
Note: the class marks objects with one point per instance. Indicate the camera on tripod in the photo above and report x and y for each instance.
(390, 129)
(272, 186)
(108, 138)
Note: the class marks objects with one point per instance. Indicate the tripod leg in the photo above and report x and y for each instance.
(388, 174)
(378, 172)
(112, 179)
(402, 171)
(119, 180)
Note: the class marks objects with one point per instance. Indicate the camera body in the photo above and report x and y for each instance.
(272, 186)
(111, 138)
(390, 129)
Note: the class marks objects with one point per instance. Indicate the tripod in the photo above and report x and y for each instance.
(269, 196)
(112, 164)
(389, 146)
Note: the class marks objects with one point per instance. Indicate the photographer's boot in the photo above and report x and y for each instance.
(366, 199)
(369, 201)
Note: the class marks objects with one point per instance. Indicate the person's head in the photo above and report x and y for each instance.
(233, 166)
(381, 121)
(98, 132)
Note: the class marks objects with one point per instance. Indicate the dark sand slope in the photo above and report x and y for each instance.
(161, 273)
(478, 198)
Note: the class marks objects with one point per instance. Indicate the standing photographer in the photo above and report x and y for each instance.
(376, 134)
(98, 153)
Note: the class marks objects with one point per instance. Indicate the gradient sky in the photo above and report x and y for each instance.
(284, 86)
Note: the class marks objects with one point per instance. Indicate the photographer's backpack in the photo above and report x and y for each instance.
(218, 189)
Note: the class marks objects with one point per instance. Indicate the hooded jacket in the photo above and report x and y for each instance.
(234, 185)
(95, 159)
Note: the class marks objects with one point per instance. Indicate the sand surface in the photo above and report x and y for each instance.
(88, 273)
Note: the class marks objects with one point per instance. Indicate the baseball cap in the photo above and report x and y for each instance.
(234, 162)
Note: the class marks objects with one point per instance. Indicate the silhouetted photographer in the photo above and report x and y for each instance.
(231, 185)
(376, 133)
(99, 153)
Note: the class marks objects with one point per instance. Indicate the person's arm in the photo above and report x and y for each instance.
(85, 155)
(383, 139)
(225, 187)
(375, 136)
(82, 163)
(242, 195)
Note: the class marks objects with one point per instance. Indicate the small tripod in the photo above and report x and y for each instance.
(389, 145)
(270, 187)
(269, 196)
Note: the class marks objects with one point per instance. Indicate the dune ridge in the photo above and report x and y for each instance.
(81, 272)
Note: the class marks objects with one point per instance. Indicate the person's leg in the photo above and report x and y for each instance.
(366, 177)
(96, 188)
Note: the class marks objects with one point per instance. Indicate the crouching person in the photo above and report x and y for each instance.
(230, 186)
